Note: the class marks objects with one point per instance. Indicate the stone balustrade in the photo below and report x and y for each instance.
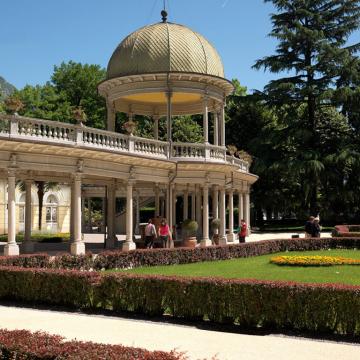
(24, 128)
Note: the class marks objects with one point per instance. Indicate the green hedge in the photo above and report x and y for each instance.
(117, 259)
(248, 303)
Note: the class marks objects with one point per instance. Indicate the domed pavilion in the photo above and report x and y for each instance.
(160, 71)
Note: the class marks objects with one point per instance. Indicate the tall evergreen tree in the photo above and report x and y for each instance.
(313, 52)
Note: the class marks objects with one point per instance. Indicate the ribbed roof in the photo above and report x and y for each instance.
(164, 47)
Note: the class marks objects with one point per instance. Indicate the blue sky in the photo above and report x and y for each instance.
(38, 34)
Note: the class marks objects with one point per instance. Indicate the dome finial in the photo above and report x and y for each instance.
(164, 13)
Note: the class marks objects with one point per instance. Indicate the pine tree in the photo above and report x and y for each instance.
(313, 52)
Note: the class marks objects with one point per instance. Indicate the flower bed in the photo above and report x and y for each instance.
(22, 344)
(313, 261)
(346, 231)
(152, 257)
(329, 308)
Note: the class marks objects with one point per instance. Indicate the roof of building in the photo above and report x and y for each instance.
(164, 47)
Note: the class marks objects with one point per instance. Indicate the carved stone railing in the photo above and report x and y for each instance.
(57, 133)
(243, 165)
(104, 139)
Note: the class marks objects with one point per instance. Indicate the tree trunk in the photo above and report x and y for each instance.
(40, 192)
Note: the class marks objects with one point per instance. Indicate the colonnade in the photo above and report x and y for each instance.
(218, 116)
(195, 206)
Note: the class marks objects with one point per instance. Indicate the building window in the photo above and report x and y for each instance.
(51, 210)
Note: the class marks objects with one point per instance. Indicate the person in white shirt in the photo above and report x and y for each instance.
(150, 234)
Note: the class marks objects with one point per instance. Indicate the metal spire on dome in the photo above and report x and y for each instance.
(164, 13)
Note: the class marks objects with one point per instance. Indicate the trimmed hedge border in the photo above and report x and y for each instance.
(24, 345)
(153, 257)
(252, 304)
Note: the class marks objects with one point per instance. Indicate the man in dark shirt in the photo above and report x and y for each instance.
(309, 227)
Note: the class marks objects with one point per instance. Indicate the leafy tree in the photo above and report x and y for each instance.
(72, 85)
(312, 50)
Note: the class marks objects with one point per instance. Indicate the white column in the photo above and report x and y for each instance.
(157, 201)
(240, 207)
(156, 127)
(137, 224)
(215, 203)
(247, 212)
(129, 244)
(111, 236)
(11, 248)
(231, 236)
(72, 211)
(222, 237)
(28, 244)
(169, 115)
(216, 128)
(193, 206)
(205, 241)
(173, 207)
(206, 120)
(78, 245)
(111, 116)
(186, 205)
(89, 211)
(198, 209)
(222, 126)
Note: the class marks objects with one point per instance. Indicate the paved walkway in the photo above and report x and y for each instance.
(198, 343)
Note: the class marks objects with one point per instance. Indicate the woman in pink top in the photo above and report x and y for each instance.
(164, 232)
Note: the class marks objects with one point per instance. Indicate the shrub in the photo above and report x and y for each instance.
(190, 227)
(273, 305)
(27, 261)
(22, 344)
(116, 259)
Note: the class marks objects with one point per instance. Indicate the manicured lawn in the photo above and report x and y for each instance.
(260, 268)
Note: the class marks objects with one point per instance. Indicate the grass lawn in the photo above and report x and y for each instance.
(259, 268)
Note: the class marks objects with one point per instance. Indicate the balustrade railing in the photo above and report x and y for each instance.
(17, 127)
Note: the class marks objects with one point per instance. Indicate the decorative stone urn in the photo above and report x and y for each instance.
(243, 155)
(79, 115)
(13, 104)
(190, 228)
(130, 127)
(231, 149)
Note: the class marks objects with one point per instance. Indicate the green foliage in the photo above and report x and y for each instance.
(72, 85)
(190, 227)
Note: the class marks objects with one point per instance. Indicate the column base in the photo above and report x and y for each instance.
(28, 247)
(223, 240)
(205, 242)
(11, 249)
(77, 248)
(127, 246)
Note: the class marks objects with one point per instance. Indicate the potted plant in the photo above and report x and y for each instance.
(243, 155)
(190, 228)
(215, 226)
(13, 104)
(231, 149)
(79, 115)
(130, 127)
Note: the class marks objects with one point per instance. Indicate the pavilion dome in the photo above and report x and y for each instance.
(164, 48)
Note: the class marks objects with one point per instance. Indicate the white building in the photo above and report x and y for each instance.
(161, 70)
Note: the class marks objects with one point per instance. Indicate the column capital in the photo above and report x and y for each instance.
(77, 176)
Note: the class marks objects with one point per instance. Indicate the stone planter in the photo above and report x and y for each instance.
(13, 105)
(190, 242)
(130, 127)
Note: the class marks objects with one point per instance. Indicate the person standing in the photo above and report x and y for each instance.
(309, 227)
(243, 231)
(165, 234)
(150, 234)
(316, 228)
